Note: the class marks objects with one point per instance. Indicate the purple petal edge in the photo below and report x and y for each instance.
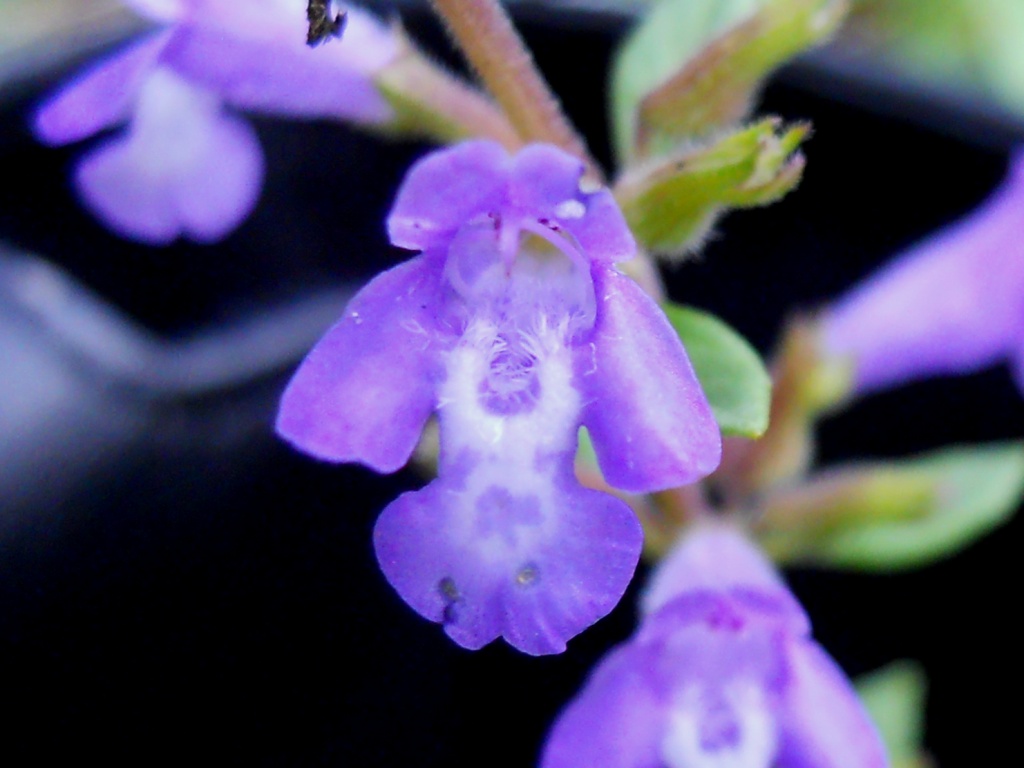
(537, 589)
(446, 189)
(951, 304)
(823, 722)
(182, 168)
(100, 97)
(365, 391)
(616, 721)
(651, 425)
(713, 557)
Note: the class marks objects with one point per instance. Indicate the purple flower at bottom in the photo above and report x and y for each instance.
(514, 326)
(184, 165)
(952, 304)
(721, 674)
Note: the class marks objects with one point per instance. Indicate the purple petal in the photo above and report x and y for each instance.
(502, 562)
(617, 721)
(365, 391)
(824, 724)
(257, 60)
(546, 185)
(651, 425)
(159, 10)
(182, 168)
(602, 232)
(714, 557)
(101, 97)
(953, 304)
(445, 190)
(697, 685)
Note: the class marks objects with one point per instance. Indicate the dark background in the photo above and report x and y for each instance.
(209, 594)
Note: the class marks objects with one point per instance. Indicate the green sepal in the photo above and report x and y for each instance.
(694, 66)
(717, 86)
(411, 115)
(730, 371)
(429, 102)
(895, 698)
(899, 515)
(671, 203)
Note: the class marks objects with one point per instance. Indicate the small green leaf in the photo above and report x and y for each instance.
(729, 369)
(796, 517)
(671, 33)
(717, 86)
(692, 66)
(895, 698)
(671, 203)
(974, 489)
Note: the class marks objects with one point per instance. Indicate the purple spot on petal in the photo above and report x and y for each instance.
(719, 728)
(450, 595)
(499, 513)
(528, 576)
(723, 618)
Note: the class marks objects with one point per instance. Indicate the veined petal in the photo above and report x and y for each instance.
(183, 168)
(617, 721)
(253, 56)
(367, 388)
(445, 190)
(649, 420)
(824, 724)
(537, 565)
(546, 186)
(101, 97)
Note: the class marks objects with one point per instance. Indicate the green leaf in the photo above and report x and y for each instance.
(729, 369)
(670, 34)
(974, 489)
(717, 86)
(670, 204)
(692, 66)
(962, 45)
(895, 698)
(795, 518)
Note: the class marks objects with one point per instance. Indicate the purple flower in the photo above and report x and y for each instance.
(721, 674)
(952, 304)
(514, 326)
(185, 166)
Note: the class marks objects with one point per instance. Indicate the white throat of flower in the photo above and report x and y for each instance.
(508, 406)
(727, 727)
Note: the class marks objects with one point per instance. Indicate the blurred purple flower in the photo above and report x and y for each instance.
(721, 674)
(954, 303)
(184, 166)
(514, 326)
